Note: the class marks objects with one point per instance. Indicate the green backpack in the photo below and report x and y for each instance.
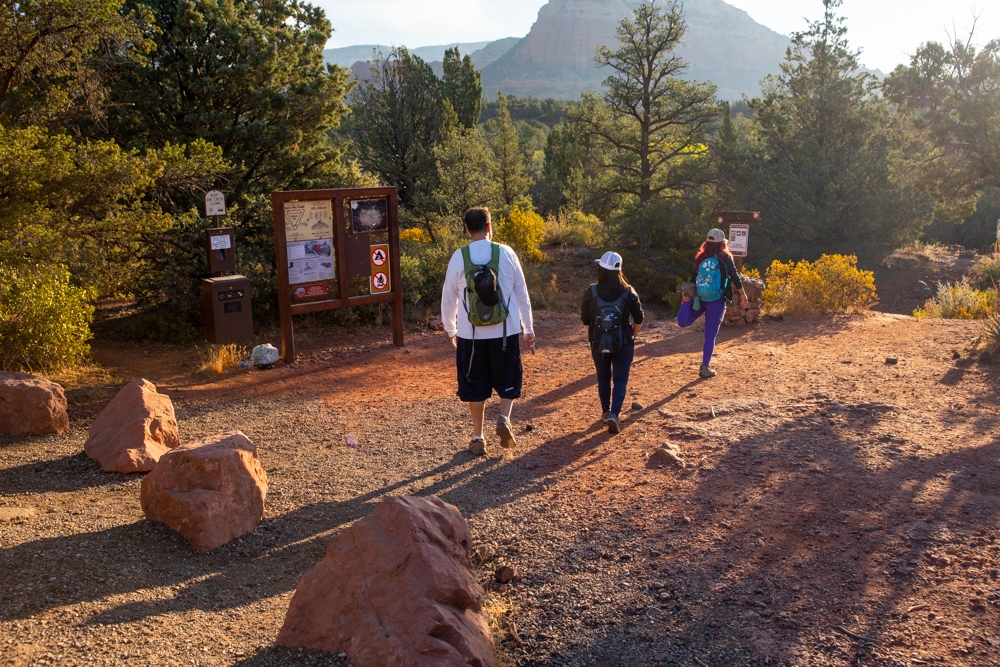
(483, 297)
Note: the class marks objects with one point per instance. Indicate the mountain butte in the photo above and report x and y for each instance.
(722, 44)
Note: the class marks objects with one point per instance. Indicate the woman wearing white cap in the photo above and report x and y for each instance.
(613, 315)
(715, 276)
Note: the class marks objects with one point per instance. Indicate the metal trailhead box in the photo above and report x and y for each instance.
(221, 248)
(228, 311)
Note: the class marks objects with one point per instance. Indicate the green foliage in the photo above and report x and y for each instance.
(508, 163)
(246, 76)
(575, 228)
(985, 274)
(831, 284)
(959, 301)
(521, 229)
(464, 164)
(54, 56)
(398, 117)
(547, 112)
(952, 98)
(816, 158)
(463, 88)
(44, 320)
(648, 130)
(977, 231)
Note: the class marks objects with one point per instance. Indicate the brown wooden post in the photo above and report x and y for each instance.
(394, 272)
(284, 297)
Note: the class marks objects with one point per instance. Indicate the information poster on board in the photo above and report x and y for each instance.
(308, 220)
(309, 261)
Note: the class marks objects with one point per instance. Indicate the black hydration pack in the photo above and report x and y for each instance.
(609, 326)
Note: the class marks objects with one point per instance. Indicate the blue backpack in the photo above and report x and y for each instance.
(711, 285)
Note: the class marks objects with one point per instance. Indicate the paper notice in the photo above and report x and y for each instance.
(221, 242)
(310, 261)
(308, 220)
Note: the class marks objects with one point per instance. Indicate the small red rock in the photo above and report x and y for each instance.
(210, 491)
(504, 575)
(30, 405)
(136, 428)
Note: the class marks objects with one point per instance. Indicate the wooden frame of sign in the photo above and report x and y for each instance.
(315, 219)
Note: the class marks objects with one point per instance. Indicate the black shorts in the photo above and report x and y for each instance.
(483, 366)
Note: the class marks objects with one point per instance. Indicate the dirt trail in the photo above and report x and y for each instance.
(829, 499)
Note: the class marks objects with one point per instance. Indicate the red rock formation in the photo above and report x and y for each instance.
(210, 491)
(396, 588)
(30, 405)
(135, 429)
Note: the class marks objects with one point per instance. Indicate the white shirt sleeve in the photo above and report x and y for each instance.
(451, 294)
(521, 294)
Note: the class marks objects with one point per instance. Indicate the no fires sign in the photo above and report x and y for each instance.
(379, 283)
(739, 239)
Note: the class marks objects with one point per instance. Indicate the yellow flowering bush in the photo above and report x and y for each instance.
(831, 284)
(522, 230)
(414, 235)
(959, 301)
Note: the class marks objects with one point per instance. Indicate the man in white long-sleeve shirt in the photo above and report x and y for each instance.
(487, 357)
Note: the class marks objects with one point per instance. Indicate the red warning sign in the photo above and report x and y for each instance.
(380, 282)
(380, 269)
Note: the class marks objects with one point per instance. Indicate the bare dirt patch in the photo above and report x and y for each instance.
(833, 509)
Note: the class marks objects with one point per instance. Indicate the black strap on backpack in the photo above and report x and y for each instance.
(609, 323)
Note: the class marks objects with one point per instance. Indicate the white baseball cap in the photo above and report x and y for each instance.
(611, 261)
(716, 235)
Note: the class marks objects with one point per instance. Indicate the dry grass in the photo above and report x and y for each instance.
(496, 610)
(219, 358)
(959, 301)
(919, 250)
(86, 374)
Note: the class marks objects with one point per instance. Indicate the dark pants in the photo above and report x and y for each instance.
(614, 366)
(484, 365)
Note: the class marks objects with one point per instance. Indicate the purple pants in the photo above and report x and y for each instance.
(714, 313)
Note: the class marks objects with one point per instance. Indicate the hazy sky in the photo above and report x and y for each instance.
(887, 30)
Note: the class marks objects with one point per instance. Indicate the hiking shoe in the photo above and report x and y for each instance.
(612, 423)
(707, 372)
(477, 447)
(507, 439)
(606, 418)
(688, 290)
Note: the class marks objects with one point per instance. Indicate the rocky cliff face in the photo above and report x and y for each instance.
(556, 59)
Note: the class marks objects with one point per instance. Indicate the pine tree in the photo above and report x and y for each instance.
(508, 165)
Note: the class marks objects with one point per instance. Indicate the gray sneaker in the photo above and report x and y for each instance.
(507, 439)
(689, 290)
(707, 372)
(477, 447)
(606, 418)
(612, 423)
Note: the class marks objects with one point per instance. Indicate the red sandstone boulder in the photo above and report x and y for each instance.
(210, 491)
(134, 431)
(30, 405)
(396, 588)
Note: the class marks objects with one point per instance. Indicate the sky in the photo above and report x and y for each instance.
(887, 31)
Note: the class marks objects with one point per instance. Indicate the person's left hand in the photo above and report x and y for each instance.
(529, 339)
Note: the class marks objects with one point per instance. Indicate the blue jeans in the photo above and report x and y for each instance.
(614, 366)
(714, 313)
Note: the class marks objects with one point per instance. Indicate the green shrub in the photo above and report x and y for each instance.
(44, 320)
(959, 301)
(985, 274)
(831, 284)
(576, 229)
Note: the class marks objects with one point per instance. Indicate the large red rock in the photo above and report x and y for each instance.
(135, 429)
(210, 491)
(396, 588)
(30, 405)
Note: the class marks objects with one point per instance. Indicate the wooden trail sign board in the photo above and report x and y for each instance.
(316, 238)
(739, 232)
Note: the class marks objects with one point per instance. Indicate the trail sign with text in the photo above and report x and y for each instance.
(739, 239)
(215, 204)
(323, 240)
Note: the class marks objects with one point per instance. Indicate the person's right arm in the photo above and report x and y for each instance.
(451, 294)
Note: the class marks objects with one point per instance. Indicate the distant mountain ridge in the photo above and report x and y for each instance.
(556, 58)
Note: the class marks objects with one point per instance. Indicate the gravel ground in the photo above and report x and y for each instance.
(833, 510)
